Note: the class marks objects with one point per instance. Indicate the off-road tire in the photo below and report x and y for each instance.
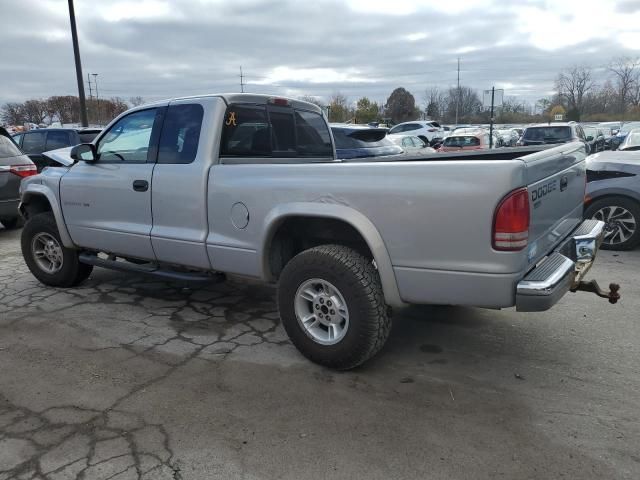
(72, 273)
(359, 283)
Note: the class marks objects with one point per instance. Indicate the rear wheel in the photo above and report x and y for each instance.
(49, 261)
(622, 217)
(332, 306)
(9, 222)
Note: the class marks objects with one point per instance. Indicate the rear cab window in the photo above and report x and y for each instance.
(33, 142)
(274, 132)
(548, 134)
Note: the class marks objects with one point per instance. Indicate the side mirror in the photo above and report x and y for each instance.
(85, 152)
(590, 138)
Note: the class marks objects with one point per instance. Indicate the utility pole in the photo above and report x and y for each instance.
(89, 82)
(493, 92)
(76, 55)
(95, 84)
(241, 80)
(458, 92)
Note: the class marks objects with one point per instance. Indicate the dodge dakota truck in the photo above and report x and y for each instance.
(195, 188)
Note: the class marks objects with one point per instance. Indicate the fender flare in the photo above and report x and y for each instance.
(38, 190)
(357, 220)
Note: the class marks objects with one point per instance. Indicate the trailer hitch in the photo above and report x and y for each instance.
(593, 287)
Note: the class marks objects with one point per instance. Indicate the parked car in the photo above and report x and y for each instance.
(613, 195)
(631, 141)
(465, 141)
(361, 142)
(426, 130)
(622, 134)
(411, 144)
(508, 137)
(550, 133)
(595, 138)
(14, 166)
(343, 240)
(35, 142)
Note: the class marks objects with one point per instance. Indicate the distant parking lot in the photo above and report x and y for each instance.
(130, 377)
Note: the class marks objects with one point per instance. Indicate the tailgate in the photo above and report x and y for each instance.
(556, 181)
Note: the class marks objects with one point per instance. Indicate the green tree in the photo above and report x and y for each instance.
(366, 110)
(339, 108)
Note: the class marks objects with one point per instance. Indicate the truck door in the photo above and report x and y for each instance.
(107, 203)
(180, 179)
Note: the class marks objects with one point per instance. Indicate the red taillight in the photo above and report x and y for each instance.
(23, 170)
(283, 102)
(511, 222)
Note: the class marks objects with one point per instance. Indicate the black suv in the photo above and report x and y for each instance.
(549, 133)
(34, 142)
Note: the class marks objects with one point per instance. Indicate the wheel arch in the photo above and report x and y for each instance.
(344, 214)
(39, 199)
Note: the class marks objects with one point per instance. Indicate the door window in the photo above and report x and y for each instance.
(180, 134)
(18, 138)
(406, 142)
(33, 142)
(129, 139)
(418, 142)
(57, 140)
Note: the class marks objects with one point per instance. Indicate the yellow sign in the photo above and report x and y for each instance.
(231, 119)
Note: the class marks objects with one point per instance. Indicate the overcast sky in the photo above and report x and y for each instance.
(168, 48)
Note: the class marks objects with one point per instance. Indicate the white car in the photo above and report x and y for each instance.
(411, 144)
(426, 130)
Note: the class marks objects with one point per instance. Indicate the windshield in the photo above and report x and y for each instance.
(632, 142)
(460, 141)
(549, 134)
(8, 148)
(626, 128)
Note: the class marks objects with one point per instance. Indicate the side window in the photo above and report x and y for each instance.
(411, 126)
(180, 134)
(33, 142)
(246, 132)
(57, 140)
(418, 142)
(283, 140)
(313, 135)
(129, 139)
(18, 139)
(397, 129)
(406, 142)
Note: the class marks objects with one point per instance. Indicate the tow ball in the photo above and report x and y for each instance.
(593, 287)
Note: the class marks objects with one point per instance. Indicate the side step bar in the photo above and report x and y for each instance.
(150, 268)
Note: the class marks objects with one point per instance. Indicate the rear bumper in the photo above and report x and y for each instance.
(561, 271)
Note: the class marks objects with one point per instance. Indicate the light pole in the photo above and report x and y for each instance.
(76, 54)
(95, 84)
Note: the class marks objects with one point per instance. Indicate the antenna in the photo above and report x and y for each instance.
(458, 92)
(241, 80)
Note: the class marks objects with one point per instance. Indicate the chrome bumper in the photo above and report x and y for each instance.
(561, 271)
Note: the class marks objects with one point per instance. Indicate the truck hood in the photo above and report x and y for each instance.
(61, 155)
(615, 161)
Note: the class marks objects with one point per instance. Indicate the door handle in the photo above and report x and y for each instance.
(140, 185)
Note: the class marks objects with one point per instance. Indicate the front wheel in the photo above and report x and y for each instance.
(332, 306)
(621, 217)
(49, 261)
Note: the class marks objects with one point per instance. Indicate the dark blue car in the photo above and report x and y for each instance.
(353, 141)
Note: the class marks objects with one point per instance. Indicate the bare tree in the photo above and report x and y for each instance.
(338, 108)
(12, 113)
(34, 111)
(135, 101)
(467, 101)
(573, 84)
(436, 102)
(626, 71)
(312, 99)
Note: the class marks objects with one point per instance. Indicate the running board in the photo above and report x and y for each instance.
(150, 269)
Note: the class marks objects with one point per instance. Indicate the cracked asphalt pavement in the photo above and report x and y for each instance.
(129, 377)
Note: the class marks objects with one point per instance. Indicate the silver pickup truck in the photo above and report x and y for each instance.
(194, 188)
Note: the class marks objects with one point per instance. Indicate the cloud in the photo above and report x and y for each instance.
(161, 48)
